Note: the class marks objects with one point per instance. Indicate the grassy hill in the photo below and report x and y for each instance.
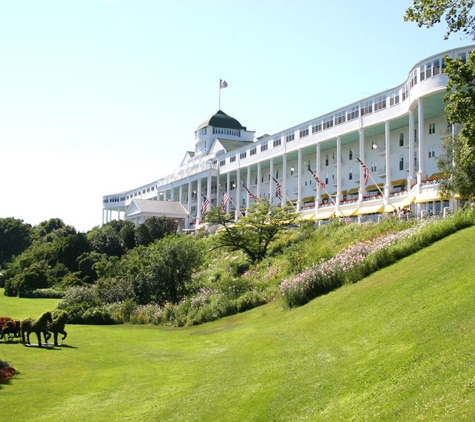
(397, 346)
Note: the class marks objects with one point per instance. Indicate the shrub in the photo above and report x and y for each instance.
(6, 371)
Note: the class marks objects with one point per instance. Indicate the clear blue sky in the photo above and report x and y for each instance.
(101, 96)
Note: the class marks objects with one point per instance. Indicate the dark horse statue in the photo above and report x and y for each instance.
(39, 326)
(11, 330)
(57, 327)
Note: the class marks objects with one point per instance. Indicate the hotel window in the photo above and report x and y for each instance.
(431, 152)
(327, 122)
(401, 162)
(289, 136)
(326, 160)
(277, 142)
(353, 113)
(404, 92)
(350, 174)
(253, 151)
(264, 146)
(340, 118)
(431, 128)
(326, 178)
(316, 127)
(435, 67)
(422, 72)
(222, 163)
(463, 57)
(413, 78)
(367, 107)
(394, 98)
(401, 139)
(304, 131)
(242, 154)
(232, 159)
(350, 154)
(428, 70)
(380, 103)
(373, 167)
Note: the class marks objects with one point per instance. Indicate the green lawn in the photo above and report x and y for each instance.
(397, 346)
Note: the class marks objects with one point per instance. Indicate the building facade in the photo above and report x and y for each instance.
(370, 157)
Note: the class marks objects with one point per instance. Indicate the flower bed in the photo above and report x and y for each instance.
(6, 371)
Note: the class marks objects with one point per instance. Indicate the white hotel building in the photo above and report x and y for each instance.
(397, 133)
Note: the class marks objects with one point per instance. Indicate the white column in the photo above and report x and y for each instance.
(208, 187)
(198, 201)
(411, 178)
(248, 184)
(338, 170)
(238, 193)
(299, 180)
(259, 176)
(387, 140)
(284, 180)
(189, 198)
(362, 158)
(180, 194)
(421, 174)
(271, 181)
(172, 193)
(317, 171)
(228, 190)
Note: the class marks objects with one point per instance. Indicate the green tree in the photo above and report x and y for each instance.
(253, 233)
(154, 228)
(15, 237)
(462, 178)
(459, 158)
(457, 14)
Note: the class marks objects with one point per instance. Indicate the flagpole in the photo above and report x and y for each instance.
(219, 89)
(374, 181)
(232, 202)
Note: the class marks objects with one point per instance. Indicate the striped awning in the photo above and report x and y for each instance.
(324, 214)
(370, 209)
(374, 187)
(399, 182)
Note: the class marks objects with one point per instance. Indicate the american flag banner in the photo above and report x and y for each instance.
(204, 205)
(278, 187)
(316, 178)
(226, 199)
(222, 84)
(251, 194)
(365, 171)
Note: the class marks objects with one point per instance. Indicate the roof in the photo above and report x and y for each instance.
(158, 208)
(232, 145)
(221, 119)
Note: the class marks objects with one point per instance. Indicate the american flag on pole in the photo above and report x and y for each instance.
(222, 84)
(251, 194)
(226, 199)
(204, 205)
(365, 171)
(316, 178)
(278, 187)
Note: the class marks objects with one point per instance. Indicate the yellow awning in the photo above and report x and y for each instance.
(374, 187)
(343, 192)
(325, 196)
(325, 213)
(308, 199)
(404, 202)
(399, 182)
(353, 191)
(370, 209)
(439, 175)
(428, 197)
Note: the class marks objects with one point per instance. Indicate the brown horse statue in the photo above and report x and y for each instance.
(57, 327)
(39, 326)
